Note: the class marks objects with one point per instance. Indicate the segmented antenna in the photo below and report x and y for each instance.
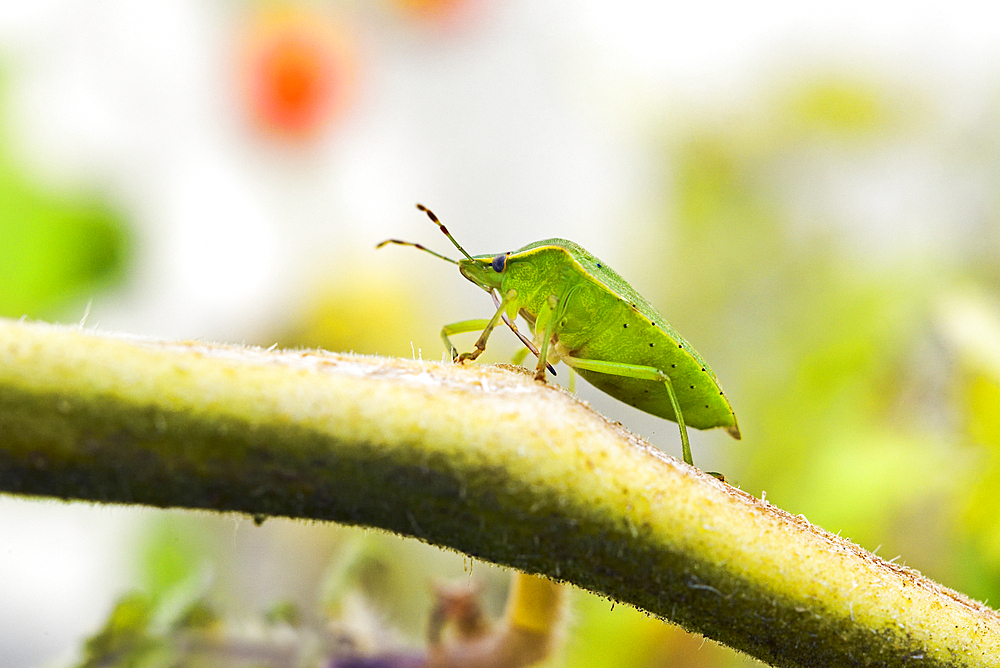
(430, 214)
(434, 219)
(423, 248)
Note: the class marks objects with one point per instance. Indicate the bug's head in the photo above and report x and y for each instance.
(486, 271)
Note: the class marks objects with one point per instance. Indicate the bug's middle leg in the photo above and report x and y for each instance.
(544, 326)
(639, 372)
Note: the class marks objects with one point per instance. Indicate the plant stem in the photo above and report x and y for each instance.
(481, 459)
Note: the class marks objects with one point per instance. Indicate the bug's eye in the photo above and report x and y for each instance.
(499, 262)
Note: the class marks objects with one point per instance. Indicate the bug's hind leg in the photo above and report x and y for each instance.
(640, 372)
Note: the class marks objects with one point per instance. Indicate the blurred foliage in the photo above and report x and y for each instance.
(168, 629)
(141, 632)
(368, 606)
(364, 314)
(602, 635)
(124, 636)
(970, 324)
(832, 104)
(173, 552)
(53, 247)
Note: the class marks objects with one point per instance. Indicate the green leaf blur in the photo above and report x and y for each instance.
(54, 248)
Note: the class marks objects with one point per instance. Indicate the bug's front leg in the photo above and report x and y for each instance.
(460, 328)
(472, 325)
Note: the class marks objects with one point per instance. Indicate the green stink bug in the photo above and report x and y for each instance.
(584, 314)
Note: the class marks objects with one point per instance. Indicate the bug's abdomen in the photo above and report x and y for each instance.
(629, 338)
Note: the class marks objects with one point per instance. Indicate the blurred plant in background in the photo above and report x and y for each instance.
(827, 235)
(55, 247)
(298, 71)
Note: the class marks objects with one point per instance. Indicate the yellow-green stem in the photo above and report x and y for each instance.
(479, 459)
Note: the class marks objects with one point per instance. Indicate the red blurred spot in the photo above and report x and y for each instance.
(445, 13)
(299, 72)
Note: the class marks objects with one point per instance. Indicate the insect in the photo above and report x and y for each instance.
(584, 314)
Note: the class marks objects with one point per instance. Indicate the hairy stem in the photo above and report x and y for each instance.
(479, 459)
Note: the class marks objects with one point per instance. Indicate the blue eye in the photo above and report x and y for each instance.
(499, 262)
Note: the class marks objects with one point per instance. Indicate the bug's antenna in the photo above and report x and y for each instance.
(410, 243)
(430, 214)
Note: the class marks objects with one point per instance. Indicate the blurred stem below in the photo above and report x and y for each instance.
(480, 459)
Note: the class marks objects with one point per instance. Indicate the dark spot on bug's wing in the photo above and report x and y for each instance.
(625, 325)
(650, 345)
(598, 265)
(680, 345)
(702, 368)
(673, 366)
(692, 387)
